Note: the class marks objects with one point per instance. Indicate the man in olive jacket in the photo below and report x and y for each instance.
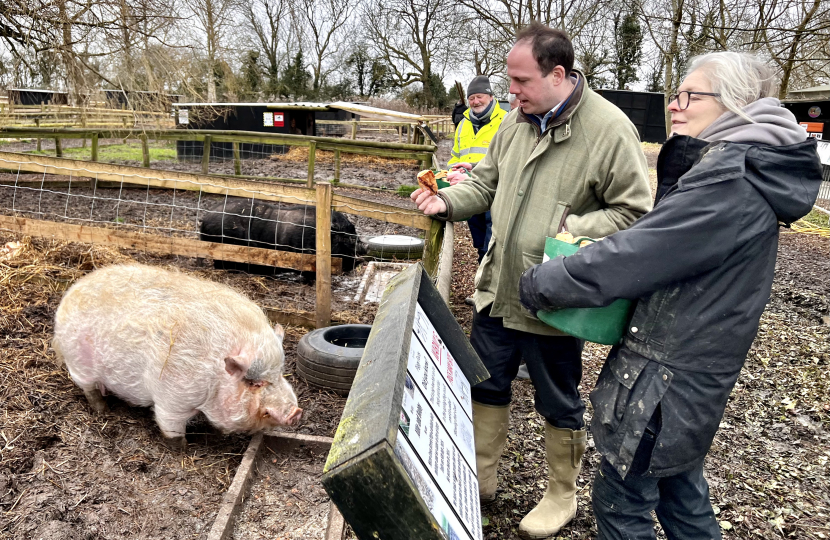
(564, 159)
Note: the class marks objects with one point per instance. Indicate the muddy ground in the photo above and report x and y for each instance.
(286, 500)
(67, 473)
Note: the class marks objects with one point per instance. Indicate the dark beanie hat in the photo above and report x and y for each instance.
(480, 85)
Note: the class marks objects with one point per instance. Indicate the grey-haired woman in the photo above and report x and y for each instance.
(700, 266)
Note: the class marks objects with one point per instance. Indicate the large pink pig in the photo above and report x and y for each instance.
(176, 342)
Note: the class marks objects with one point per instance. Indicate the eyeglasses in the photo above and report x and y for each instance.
(684, 98)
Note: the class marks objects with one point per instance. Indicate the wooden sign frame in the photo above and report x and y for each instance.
(363, 475)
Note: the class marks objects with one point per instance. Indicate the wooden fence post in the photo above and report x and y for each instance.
(312, 151)
(37, 123)
(432, 247)
(58, 148)
(337, 166)
(354, 129)
(445, 271)
(237, 163)
(145, 151)
(323, 304)
(206, 155)
(400, 134)
(94, 147)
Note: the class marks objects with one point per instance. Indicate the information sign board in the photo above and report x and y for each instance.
(405, 441)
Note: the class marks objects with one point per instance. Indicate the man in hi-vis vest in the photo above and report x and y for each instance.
(472, 138)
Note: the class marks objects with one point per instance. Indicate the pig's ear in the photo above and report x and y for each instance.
(235, 368)
(279, 330)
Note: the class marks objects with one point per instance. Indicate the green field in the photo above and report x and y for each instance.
(159, 151)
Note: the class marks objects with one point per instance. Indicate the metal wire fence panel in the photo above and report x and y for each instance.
(276, 157)
(256, 232)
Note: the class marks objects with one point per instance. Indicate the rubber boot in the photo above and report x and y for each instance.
(564, 449)
(490, 427)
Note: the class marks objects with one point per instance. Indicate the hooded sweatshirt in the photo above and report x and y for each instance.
(774, 125)
(700, 267)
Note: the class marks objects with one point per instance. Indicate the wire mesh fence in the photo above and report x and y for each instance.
(294, 158)
(201, 224)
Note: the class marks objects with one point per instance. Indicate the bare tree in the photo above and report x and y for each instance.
(215, 19)
(64, 27)
(414, 38)
(795, 34)
(272, 27)
(85, 35)
(664, 21)
(323, 25)
(593, 51)
(504, 18)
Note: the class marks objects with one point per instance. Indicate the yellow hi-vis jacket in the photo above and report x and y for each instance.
(470, 147)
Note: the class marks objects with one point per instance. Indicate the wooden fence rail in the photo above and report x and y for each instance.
(441, 125)
(57, 116)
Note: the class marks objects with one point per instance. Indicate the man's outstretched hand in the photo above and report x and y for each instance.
(428, 203)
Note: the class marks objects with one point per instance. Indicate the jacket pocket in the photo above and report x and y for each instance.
(557, 221)
(612, 392)
(650, 324)
(530, 259)
(484, 274)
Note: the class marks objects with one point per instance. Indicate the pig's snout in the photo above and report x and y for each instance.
(294, 416)
(290, 418)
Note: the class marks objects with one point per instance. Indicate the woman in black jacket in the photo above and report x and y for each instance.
(700, 266)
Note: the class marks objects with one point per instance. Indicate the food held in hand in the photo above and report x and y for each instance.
(426, 180)
(565, 237)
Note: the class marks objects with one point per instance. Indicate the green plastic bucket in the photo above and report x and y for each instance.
(604, 325)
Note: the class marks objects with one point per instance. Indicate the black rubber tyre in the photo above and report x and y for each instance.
(328, 357)
(395, 247)
(306, 369)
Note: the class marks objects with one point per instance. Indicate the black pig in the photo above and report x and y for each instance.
(287, 227)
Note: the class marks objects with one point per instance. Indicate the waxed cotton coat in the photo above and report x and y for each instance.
(587, 167)
(469, 146)
(701, 267)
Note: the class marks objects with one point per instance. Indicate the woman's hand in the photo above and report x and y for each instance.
(459, 172)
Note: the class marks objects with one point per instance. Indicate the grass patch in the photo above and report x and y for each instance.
(406, 190)
(162, 151)
(817, 217)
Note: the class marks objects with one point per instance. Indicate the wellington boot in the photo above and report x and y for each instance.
(564, 449)
(490, 426)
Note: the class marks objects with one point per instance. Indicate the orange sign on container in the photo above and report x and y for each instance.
(813, 127)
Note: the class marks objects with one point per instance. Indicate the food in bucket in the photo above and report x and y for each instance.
(565, 236)
(426, 180)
